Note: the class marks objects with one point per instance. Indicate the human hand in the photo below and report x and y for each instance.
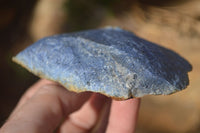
(47, 107)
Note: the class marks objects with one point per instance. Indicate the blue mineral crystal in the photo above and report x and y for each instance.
(110, 61)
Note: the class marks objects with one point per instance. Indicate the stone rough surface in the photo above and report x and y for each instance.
(110, 61)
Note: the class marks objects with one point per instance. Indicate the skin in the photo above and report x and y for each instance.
(48, 107)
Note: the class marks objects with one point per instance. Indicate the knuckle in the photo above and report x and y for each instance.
(49, 90)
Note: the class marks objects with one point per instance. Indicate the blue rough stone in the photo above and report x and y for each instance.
(110, 61)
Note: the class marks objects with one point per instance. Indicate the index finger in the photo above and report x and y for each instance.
(44, 110)
(31, 91)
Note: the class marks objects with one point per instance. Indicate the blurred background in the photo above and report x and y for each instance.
(174, 24)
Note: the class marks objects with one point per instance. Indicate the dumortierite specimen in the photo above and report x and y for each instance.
(110, 61)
